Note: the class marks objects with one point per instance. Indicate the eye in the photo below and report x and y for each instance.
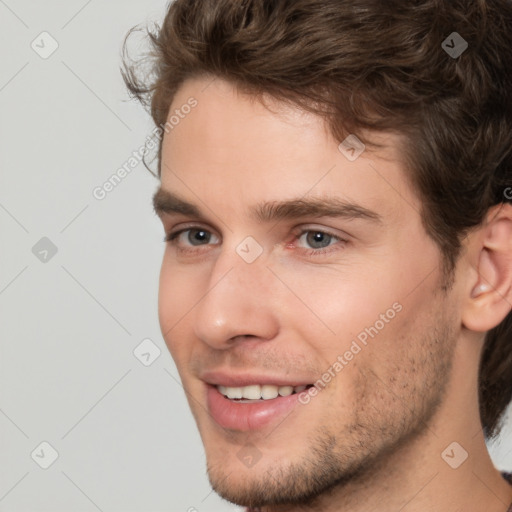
(312, 242)
(317, 239)
(192, 237)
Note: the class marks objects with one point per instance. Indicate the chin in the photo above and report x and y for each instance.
(247, 476)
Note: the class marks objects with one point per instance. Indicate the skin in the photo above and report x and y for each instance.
(373, 438)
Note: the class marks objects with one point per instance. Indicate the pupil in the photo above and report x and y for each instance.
(198, 237)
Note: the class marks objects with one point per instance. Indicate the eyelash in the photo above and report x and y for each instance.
(322, 251)
(171, 238)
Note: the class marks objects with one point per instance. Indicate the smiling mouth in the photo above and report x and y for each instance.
(257, 393)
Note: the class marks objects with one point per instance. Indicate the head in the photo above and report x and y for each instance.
(292, 263)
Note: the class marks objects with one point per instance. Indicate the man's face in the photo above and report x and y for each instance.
(296, 265)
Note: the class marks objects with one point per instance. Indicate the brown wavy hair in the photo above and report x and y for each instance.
(368, 65)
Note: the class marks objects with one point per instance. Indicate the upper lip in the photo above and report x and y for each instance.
(222, 378)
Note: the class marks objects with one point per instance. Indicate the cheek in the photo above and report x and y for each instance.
(340, 304)
(166, 297)
(176, 297)
(367, 312)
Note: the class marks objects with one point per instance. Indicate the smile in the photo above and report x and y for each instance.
(253, 406)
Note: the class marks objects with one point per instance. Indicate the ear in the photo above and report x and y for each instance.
(489, 291)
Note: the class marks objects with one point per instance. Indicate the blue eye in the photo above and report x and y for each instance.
(315, 239)
(192, 237)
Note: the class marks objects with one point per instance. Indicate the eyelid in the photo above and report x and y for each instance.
(180, 228)
(300, 230)
(341, 241)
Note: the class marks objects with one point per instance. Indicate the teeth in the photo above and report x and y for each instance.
(285, 390)
(251, 392)
(257, 392)
(231, 392)
(268, 392)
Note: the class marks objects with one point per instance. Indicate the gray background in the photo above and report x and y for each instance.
(69, 324)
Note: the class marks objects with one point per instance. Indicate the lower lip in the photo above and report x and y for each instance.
(247, 416)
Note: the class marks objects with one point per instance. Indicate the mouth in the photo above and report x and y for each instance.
(249, 406)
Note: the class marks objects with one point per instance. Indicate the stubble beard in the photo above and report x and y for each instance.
(335, 459)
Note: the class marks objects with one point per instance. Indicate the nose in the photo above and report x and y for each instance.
(238, 303)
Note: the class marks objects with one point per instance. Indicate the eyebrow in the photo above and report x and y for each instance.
(167, 202)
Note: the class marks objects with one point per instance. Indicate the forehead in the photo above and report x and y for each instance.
(231, 146)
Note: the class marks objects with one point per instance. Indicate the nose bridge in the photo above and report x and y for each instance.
(236, 302)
